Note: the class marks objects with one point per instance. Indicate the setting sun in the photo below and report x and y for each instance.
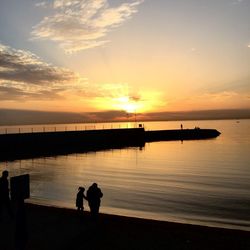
(124, 103)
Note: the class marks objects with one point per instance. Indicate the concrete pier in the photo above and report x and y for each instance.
(29, 145)
(180, 134)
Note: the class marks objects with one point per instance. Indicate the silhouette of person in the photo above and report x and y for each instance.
(94, 195)
(4, 193)
(79, 199)
(181, 126)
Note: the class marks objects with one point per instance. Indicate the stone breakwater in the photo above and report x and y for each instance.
(29, 145)
(180, 134)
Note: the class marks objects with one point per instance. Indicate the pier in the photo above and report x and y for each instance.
(30, 145)
(180, 134)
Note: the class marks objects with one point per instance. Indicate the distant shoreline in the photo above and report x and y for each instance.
(29, 117)
(117, 122)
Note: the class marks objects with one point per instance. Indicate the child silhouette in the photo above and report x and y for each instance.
(79, 199)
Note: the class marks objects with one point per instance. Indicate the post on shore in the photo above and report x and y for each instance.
(20, 190)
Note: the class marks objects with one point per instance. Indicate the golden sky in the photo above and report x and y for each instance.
(132, 55)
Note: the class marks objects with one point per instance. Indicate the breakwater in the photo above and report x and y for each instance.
(180, 134)
(29, 145)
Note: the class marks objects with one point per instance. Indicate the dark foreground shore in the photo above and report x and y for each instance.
(57, 228)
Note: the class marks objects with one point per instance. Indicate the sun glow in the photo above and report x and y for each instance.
(139, 102)
(130, 106)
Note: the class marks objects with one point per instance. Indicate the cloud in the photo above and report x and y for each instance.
(82, 24)
(15, 93)
(10, 93)
(25, 77)
(23, 74)
(214, 100)
(237, 2)
(240, 86)
(42, 4)
(111, 115)
(23, 66)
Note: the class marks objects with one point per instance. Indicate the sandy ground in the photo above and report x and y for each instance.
(56, 228)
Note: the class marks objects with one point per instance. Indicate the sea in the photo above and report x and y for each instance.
(204, 182)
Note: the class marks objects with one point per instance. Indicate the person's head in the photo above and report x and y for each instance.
(81, 189)
(5, 174)
(94, 185)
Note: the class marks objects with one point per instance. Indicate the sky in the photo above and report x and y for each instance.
(124, 55)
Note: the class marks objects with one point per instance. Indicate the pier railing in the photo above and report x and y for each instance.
(63, 128)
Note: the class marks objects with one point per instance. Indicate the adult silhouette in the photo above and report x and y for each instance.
(94, 195)
(4, 193)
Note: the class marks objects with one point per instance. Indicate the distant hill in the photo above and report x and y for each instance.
(28, 117)
(199, 115)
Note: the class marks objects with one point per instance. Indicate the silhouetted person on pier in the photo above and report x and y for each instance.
(79, 199)
(181, 126)
(94, 195)
(4, 193)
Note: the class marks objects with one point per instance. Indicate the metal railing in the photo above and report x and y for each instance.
(63, 128)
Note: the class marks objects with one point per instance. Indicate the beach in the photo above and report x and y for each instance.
(59, 228)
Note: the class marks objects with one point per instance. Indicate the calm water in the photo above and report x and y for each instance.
(201, 182)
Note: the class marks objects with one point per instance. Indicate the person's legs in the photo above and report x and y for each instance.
(9, 209)
(1, 209)
(95, 211)
(92, 210)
